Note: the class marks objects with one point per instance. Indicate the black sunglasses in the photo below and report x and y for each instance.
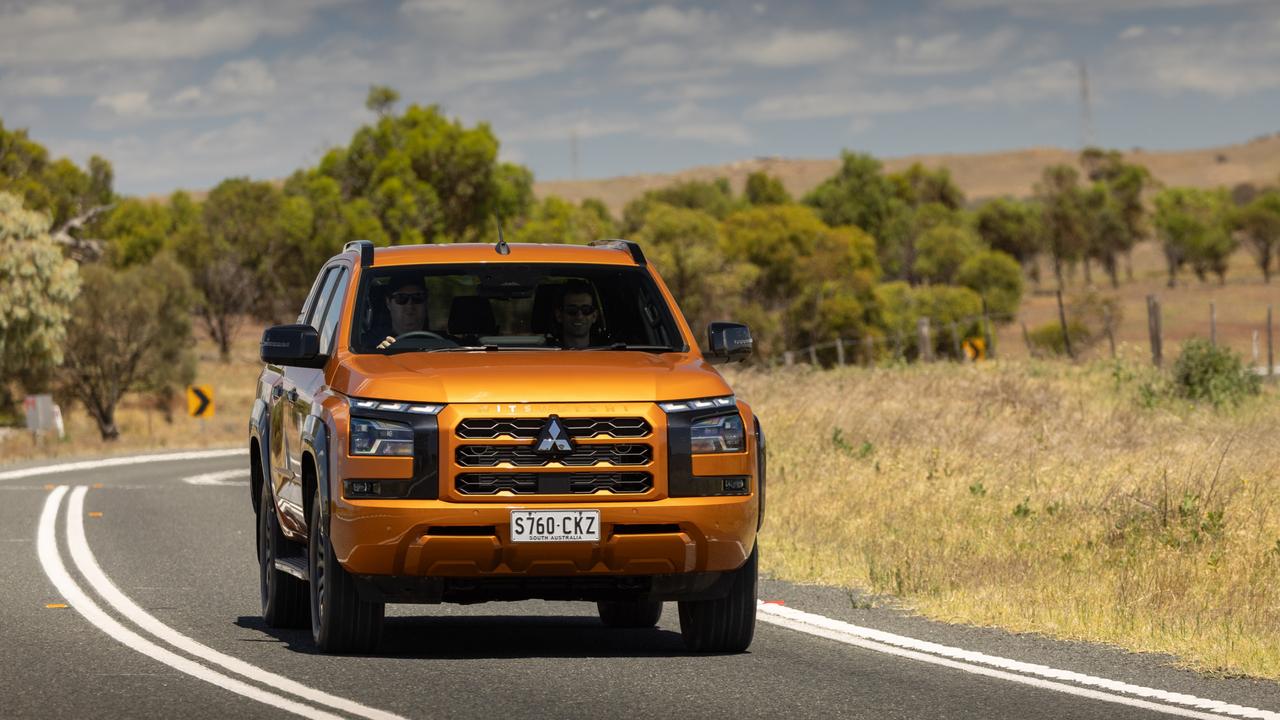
(575, 310)
(406, 298)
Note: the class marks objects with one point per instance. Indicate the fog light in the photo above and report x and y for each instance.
(735, 484)
(362, 488)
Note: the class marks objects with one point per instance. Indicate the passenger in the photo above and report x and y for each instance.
(407, 307)
(576, 315)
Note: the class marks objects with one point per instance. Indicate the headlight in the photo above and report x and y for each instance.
(380, 437)
(717, 434)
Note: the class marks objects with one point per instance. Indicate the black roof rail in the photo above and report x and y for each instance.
(364, 247)
(629, 245)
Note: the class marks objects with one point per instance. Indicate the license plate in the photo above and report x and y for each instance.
(555, 526)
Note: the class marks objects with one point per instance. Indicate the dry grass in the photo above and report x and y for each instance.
(143, 427)
(1032, 496)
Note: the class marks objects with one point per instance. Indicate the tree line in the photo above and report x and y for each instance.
(99, 293)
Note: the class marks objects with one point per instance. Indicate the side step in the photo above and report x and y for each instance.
(295, 566)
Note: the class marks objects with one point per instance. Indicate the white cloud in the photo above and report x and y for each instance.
(126, 104)
(790, 48)
(1081, 9)
(244, 77)
(1132, 32)
(667, 20)
(102, 32)
(34, 85)
(1225, 61)
(1056, 80)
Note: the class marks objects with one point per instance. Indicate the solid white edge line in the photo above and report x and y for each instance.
(88, 566)
(971, 661)
(118, 461)
(229, 478)
(47, 549)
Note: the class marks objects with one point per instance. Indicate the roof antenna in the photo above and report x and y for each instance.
(502, 247)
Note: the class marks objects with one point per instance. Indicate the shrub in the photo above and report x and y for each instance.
(1206, 372)
(1048, 337)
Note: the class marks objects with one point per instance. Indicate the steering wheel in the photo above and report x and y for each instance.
(427, 334)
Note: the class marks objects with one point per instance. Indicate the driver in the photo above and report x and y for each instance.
(407, 306)
(576, 315)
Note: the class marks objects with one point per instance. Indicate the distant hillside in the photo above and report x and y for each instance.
(982, 175)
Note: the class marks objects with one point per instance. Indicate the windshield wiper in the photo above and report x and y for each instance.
(625, 346)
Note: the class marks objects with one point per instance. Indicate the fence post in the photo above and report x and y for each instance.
(1106, 323)
(1255, 347)
(955, 341)
(1271, 359)
(1153, 329)
(1213, 324)
(1062, 318)
(986, 331)
(926, 346)
(788, 358)
(813, 355)
(900, 347)
(1026, 338)
(840, 352)
(869, 347)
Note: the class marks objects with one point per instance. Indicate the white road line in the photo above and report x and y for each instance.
(98, 580)
(118, 461)
(226, 477)
(47, 549)
(983, 664)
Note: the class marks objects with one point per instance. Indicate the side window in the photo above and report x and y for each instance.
(313, 296)
(329, 325)
(316, 311)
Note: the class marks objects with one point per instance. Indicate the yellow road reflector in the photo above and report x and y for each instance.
(98, 486)
(200, 401)
(55, 606)
(95, 513)
(49, 486)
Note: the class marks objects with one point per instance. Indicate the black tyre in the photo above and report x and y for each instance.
(341, 622)
(630, 614)
(284, 597)
(726, 624)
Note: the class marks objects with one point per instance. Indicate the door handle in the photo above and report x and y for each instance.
(276, 392)
(293, 394)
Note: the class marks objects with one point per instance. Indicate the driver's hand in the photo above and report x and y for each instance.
(386, 343)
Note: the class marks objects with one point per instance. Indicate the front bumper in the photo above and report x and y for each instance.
(431, 538)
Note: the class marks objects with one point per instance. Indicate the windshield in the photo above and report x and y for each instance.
(496, 306)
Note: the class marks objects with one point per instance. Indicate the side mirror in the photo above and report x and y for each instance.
(729, 342)
(293, 345)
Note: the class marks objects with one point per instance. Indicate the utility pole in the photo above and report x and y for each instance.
(1086, 108)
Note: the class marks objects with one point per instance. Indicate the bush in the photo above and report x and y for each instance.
(1205, 371)
(1048, 337)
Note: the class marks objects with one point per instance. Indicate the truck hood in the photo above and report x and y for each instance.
(513, 376)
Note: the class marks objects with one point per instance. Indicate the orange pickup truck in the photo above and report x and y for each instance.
(472, 422)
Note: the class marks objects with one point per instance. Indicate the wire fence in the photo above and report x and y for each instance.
(963, 339)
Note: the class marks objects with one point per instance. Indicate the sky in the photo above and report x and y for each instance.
(185, 94)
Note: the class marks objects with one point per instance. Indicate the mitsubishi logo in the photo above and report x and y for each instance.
(553, 439)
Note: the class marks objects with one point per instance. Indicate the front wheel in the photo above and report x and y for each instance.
(284, 597)
(630, 613)
(341, 622)
(726, 624)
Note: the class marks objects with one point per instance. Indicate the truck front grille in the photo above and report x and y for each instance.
(528, 428)
(524, 456)
(552, 483)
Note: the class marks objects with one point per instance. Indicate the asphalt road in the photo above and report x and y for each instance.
(156, 546)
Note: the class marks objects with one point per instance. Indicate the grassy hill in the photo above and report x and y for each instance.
(981, 175)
